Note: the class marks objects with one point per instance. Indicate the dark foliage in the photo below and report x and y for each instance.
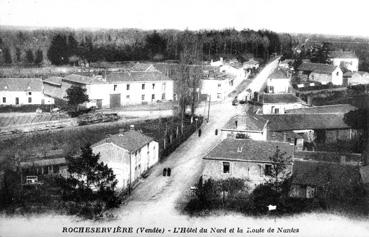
(39, 57)
(7, 56)
(76, 95)
(29, 56)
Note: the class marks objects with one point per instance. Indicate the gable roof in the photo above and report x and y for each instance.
(342, 54)
(278, 74)
(248, 122)
(322, 174)
(130, 140)
(85, 80)
(269, 98)
(324, 156)
(56, 81)
(248, 150)
(137, 76)
(20, 84)
(325, 109)
(290, 122)
(317, 68)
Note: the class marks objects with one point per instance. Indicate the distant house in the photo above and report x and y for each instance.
(286, 64)
(323, 73)
(279, 103)
(252, 64)
(279, 82)
(130, 154)
(319, 127)
(23, 91)
(324, 109)
(244, 159)
(217, 85)
(312, 179)
(356, 78)
(242, 126)
(345, 59)
(291, 137)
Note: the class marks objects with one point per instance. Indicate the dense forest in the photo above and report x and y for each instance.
(60, 47)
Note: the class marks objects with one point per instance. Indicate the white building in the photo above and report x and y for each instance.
(118, 89)
(279, 103)
(23, 91)
(129, 154)
(345, 59)
(217, 86)
(279, 82)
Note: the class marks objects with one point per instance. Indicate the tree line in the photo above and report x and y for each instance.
(73, 47)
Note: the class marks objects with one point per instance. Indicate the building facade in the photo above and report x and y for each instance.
(130, 154)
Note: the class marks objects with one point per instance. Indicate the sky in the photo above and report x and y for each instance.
(293, 16)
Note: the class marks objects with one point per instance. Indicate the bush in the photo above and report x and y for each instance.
(24, 108)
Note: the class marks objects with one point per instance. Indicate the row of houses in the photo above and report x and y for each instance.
(287, 124)
(140, 84)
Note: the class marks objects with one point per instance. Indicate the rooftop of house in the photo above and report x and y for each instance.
(325, 109)
(248, 150)
(324, 156)
(21, 84)
(85, 80)
(322, 173)
(342, 54)
(317, 68)
(279, 74)
(248, 122)
(290, 122)
(143, 67)
(269, 98)
(137, 76)
(130, 140)
(55, 81)
(280, 136)
(54, 91)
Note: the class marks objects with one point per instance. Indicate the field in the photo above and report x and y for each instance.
(71, 139)
(21, 119)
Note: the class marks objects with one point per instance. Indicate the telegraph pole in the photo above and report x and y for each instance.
(209, 107)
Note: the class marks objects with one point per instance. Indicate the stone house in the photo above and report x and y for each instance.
(322, 73)
(345, 59)
(130, 154)
(244, 159)
(279, 82)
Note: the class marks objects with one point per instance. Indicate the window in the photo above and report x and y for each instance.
(29, 93)
(153, 86)
(337, 73)
(143, 86)
(219, 85)
(268, 170)
(163, 96)
(219, 95)
(4, 99)
(153, 96)
(164, 86)
(115, 87)
(142, 97)
(29, 99)
(127, 96)
(276, 110)
(127, 87)
(226, 167)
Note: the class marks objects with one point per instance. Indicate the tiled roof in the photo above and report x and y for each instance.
(248, 150)
(83, 79)
(323, 174)
(57, 81)
(289, 122)
(342, 54)
(325, 109)
(269, 98)
(248, 122)
(54, 91)
(20, 84)
(137, 76)
(278, 74)
(317, 67)
(328, 156)
(143, 67)
(131, 140)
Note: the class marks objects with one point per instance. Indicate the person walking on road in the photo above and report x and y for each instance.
(199, 132)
